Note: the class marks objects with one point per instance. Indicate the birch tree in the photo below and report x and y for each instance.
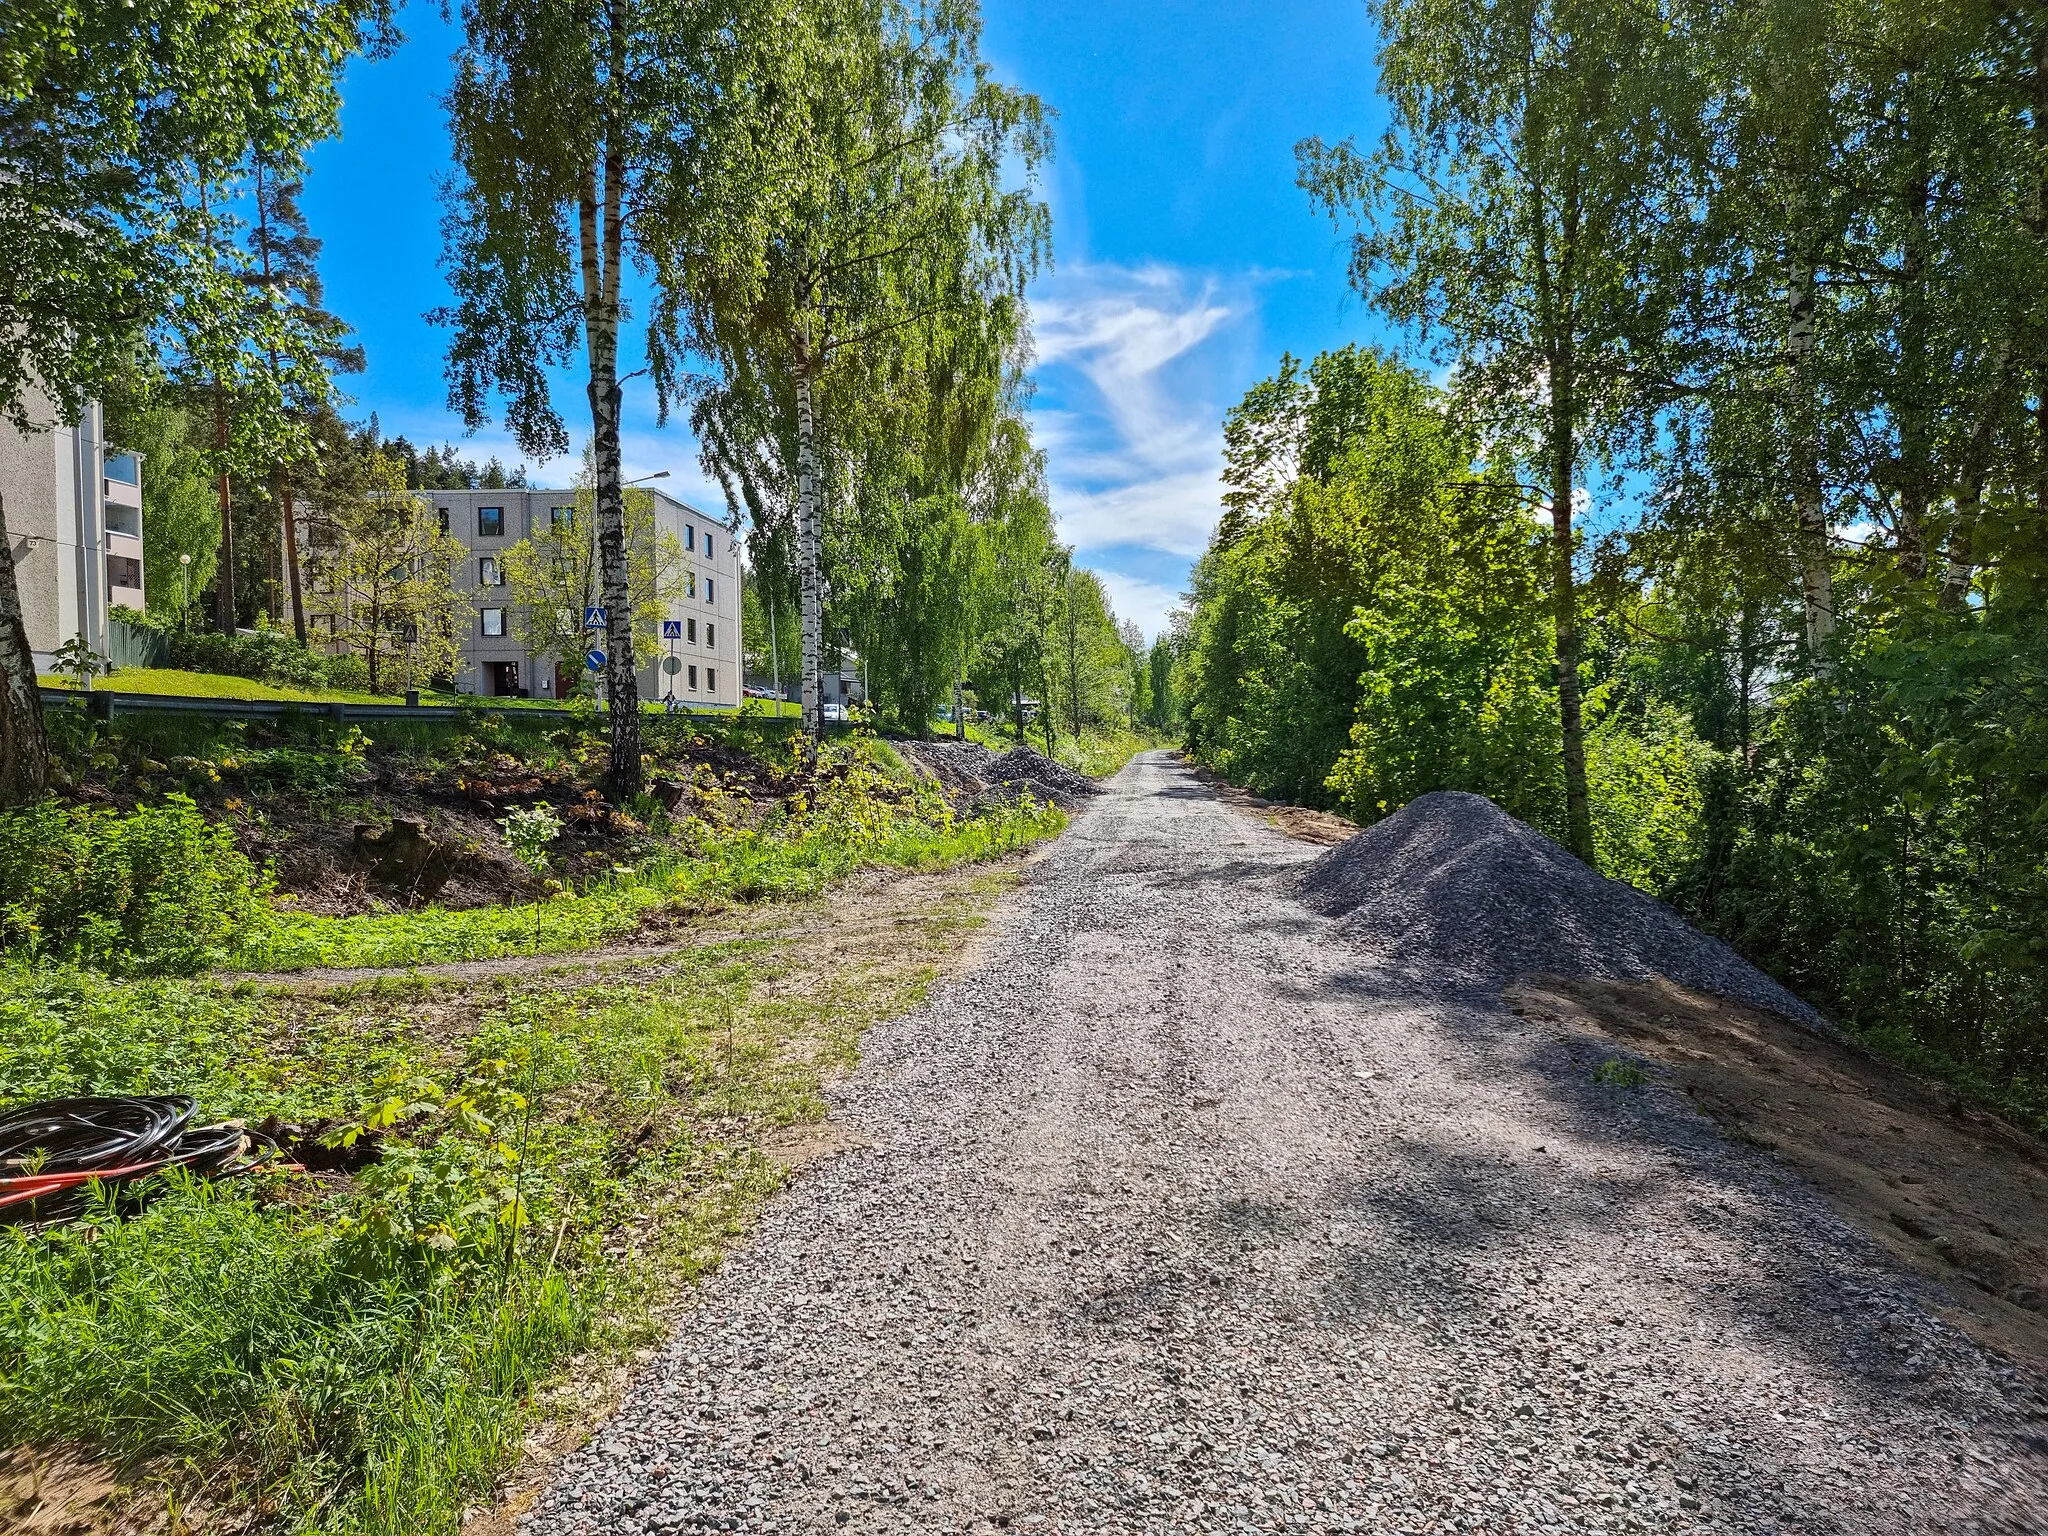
(590, 135)
(383, 574)
(897, 230)
(1519, 212)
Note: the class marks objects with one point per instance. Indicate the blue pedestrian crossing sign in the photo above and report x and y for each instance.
(593, 618)
(594, 659)
(671, 629)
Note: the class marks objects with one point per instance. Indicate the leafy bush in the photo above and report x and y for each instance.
(158, 890)
(266, 656)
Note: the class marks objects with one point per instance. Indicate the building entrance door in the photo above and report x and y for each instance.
(504, 678)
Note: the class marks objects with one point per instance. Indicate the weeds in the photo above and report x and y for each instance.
(362, 1351)
(1616, 1073)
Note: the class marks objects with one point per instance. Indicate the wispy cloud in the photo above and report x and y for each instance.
(1130, 364)
(1145, 603)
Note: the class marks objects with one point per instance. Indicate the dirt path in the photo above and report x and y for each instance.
(1175, 1216)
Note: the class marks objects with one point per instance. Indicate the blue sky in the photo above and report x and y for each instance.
(1185, 259)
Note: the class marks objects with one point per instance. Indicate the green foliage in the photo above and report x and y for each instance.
(360, 1353)
(1616, 1073)
(112, 117)
(160, 889)
(528, 833)
(267, 656)
(76, 658)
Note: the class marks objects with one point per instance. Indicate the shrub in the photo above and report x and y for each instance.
(265, 656)
(349, 671)
(158, 890)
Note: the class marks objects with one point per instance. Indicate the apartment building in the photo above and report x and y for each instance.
(700, 622)
(73, 509)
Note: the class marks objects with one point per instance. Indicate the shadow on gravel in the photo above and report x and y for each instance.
(1474, 1234)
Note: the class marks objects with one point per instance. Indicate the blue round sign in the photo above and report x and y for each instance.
(594, 660)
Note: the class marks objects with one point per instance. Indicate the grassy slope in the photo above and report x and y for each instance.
(368, 1348)
(214, 685)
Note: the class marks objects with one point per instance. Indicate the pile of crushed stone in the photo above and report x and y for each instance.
(972, 775)
(1453, 890)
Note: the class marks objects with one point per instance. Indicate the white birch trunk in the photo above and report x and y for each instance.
(810, 541)
(24, 748)
(601, 242)
(1816, 580)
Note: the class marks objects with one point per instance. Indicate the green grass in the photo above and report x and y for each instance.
(214, 685)
(561, 1153)
(776, 863)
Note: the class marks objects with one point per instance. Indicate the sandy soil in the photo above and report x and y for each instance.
(1951, 1191)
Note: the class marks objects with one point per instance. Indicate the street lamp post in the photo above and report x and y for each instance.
(185, 582)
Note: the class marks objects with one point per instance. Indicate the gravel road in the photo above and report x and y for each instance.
(1177, 1215)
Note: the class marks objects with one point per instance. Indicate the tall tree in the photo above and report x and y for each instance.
(285, 265)
(898, 243)
(109, 116)
(1520, 212)
(590, 134)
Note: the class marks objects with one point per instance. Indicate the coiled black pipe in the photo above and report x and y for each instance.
(52, 1152)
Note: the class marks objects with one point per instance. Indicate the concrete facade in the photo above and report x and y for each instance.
(74, 519)
(704, 604)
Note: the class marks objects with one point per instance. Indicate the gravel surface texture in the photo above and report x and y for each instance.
(971, 774)
(1453, 892)
(1184, 1212)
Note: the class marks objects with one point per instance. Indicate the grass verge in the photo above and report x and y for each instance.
(558, 1151)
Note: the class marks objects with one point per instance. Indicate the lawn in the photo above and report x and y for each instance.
(214, 685)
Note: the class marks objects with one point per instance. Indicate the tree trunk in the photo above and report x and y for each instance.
(1578, 815)
(1961, 563)
(224, 581)
(291, 553)
(24, 746)
(1914, 471)
(1816, 580)
(601, 241)
(960, 696)
(809, 544)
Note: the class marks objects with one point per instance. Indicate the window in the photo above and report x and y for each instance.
(561, 517)
(711, 680)
(689, 537)
(444, 518)
(690, 628)
(123, 572)
(488, 573)
(693, 679)
(690, 582)
(123, 469)
(707, 546)
(711, 635)
(494, 622)
(710, 590)
(490, 522)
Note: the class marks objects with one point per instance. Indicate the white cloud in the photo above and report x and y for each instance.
(1172, 513)
(1133, 432)
(1145, 603)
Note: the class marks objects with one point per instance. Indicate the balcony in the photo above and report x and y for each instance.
(123, 481)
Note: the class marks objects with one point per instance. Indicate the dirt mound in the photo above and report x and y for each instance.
(972, 775)
(1453, 889)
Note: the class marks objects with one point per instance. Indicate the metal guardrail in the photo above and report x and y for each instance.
(105, 703)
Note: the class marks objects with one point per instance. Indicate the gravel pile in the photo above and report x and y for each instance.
(1158, 1224)
(1454, 890)
(971, 775)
